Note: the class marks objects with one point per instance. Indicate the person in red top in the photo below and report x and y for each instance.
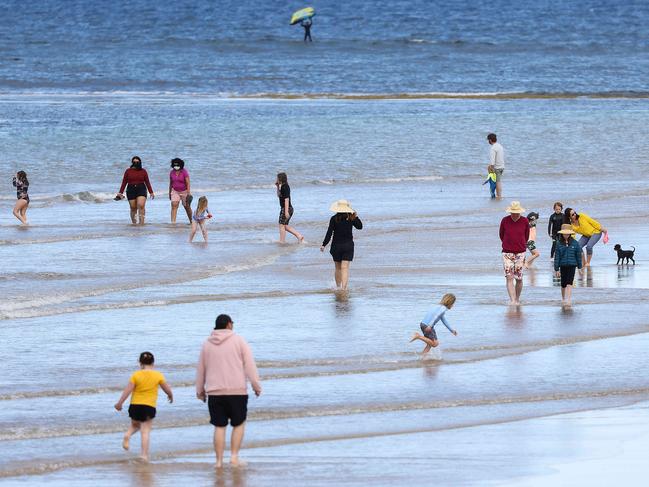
(514, 234)
(137, 180)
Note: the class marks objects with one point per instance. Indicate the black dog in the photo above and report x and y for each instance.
(624, 254)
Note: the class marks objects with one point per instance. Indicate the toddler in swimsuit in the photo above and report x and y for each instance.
(201, 214)
(427, 325)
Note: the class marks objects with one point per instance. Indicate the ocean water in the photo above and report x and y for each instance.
(388, 108)
(368, 46)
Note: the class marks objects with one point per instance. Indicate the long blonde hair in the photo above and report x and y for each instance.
(202, 205)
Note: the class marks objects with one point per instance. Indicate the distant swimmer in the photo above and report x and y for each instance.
(427, 325)
(307, 23)
(21, 184)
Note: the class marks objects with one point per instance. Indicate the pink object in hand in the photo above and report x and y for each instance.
(605, 239)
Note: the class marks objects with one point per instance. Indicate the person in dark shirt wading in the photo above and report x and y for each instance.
(342, 244)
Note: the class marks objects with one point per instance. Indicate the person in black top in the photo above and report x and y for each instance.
(21, 183)
(285, 208)
(554, 225)
(342, 245)
(307, 23)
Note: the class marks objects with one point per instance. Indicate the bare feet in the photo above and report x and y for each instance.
(235, 462)
(301, 239)
(125, 442)
(414, 337)
(219, 464)
(143, 459)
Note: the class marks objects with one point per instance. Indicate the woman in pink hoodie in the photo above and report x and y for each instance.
(224, 366)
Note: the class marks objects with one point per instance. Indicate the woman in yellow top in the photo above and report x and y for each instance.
(589, 229)
(144, 387)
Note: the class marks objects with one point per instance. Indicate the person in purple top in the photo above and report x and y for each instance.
(179, 189)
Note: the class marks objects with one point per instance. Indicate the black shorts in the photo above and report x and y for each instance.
(342, 252)
(567, 275)
(141, 412)
(135, 190)
(431, 334)
(224, 408)
(283, 220)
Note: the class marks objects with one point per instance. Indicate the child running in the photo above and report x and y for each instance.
(533, 217)
(430, 320)
(198, 220)
(491, 179)
(143, 386)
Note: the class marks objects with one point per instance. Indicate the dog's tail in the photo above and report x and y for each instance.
(633, 248)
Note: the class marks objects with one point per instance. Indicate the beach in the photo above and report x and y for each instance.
(388, 108)
(345, 395)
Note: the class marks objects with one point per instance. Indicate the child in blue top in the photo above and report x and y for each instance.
(491, 179)
(427, 325)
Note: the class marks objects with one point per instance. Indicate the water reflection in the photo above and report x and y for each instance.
(514, 317)
(231, 477)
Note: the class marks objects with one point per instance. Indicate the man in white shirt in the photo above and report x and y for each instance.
(497, 160)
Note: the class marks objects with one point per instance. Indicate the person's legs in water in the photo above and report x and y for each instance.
(219, 444)
(511, 290)
(338, 274)
(141, 204)
(293, 232)
(193, 231)
(344, 274)
(174, 210)
(133, 206)
(203, 230)
(582, 243)
(235, 443)
(188, 209)
(145, 435)
(519, 290)
(535, 255)
(20, 210)
(589, 247)
(133, 428)
(282, 233)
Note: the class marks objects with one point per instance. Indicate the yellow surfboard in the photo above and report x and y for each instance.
(300, 15)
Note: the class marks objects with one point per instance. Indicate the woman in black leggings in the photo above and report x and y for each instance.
(342, 245)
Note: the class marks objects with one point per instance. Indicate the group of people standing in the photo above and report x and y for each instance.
(518, 234)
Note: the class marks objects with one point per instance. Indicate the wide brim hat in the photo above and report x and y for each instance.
(566, 229)
(342, 206)
(515, 207)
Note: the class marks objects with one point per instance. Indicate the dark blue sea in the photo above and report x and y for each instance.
(376, 47)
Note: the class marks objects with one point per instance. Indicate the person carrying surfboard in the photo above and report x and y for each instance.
(307, 23)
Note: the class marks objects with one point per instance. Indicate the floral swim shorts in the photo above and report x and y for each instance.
(513, 265)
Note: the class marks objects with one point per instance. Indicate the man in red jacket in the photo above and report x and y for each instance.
(225, 367)
(514, 233)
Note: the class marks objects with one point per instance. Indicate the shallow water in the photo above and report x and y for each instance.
(85, 292)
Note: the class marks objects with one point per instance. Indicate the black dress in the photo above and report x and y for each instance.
(342, 245)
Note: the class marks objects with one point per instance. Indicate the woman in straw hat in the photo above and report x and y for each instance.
(342, 245)
(567, 257)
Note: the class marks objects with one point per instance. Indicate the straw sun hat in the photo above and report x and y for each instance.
(342, 206)
(515, 207)
(566, 229)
